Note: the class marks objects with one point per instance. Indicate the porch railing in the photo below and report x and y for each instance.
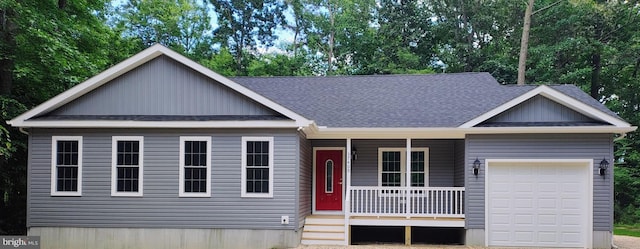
(413, 202)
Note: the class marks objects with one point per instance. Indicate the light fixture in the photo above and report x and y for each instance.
(354, 154)
(604, 165)
(476, 166)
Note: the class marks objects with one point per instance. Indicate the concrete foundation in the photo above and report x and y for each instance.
(153, 238)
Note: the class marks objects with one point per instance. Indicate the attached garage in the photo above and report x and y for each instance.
(539, 202)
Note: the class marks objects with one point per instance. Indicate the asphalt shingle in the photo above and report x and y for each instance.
(434, 100)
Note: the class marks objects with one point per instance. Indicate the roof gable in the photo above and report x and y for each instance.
(552, 105)
(25, 120)
(163, 86)
(538, 111)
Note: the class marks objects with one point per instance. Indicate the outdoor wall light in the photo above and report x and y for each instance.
(476, 166)
(354, 154)
(604, 165)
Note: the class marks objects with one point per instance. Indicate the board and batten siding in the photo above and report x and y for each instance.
(305, 178)
(163, 86)
(160, 207)
(364, 170)
(540, 109)
(540, 146)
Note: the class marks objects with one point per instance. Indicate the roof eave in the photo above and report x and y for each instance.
(451, 132)
(159, 124)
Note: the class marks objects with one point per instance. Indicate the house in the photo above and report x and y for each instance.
(161, 152)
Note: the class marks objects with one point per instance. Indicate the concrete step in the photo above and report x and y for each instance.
(323, 228)
(323, 235)
(323, 242)
(324, 221)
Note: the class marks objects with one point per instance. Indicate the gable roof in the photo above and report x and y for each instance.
(427, 106)
(26, 119)
(406, 101)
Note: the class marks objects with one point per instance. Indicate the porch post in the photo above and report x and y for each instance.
(408, 179)
(347, 195)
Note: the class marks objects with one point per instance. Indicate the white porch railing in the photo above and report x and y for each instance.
(413, 202)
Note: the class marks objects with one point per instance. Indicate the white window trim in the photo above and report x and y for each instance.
(243, 173)
(54, 171)
(403, 164)
(114, 166)
(182, 193)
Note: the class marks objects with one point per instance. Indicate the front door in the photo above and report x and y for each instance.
(328, 180)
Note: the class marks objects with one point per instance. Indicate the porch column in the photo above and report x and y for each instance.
(408, 179)
(347, 195)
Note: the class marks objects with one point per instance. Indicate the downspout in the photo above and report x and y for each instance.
(21, 129)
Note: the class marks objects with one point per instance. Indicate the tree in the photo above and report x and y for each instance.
(245, 24)
(405, 39)
(45, 48)
(182, 25)
(524, 43)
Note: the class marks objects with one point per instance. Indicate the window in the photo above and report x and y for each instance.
(127, 156)
(66, 166)
(195, 167)
(257, 167)
(392, 167)
(328, 168)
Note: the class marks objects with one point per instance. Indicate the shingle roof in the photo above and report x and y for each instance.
(435, 100)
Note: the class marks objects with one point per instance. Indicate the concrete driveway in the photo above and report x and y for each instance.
(621, 242)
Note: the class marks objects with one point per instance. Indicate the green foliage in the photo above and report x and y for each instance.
(244, 24)
(182, 25)
(628, 230)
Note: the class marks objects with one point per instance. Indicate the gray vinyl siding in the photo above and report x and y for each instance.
(160, 207)
(163, 86)
(458, 163)
(364, 170)
(539, 109)
(305, 181)
(540, 146)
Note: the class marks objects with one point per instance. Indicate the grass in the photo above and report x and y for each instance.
(629, 230)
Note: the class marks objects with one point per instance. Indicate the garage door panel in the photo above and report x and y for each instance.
(523, 203)
(547, 237)
(538, 204)
(523, 237)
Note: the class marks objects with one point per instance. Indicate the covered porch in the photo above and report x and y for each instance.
(386, 182)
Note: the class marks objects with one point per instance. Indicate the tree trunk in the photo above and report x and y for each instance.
(331, 40)
(8, 50)
(524, 43)
(595, 75)
(469, 36)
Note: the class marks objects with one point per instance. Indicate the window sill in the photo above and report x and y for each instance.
(73, 194)
(251, 195)
(194, 195)
(126, 194)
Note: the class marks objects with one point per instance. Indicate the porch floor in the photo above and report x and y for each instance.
(404, 221)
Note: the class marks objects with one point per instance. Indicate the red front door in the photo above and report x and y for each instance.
(328, 180)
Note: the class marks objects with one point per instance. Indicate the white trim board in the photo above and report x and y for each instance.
(554, 95)
(132, 63)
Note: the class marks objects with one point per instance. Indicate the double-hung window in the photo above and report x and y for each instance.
(195, 167)
(66, 166)
(127, 156)
(257, 167)
(392, 167)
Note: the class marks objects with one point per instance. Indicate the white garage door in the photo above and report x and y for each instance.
(540, 203)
